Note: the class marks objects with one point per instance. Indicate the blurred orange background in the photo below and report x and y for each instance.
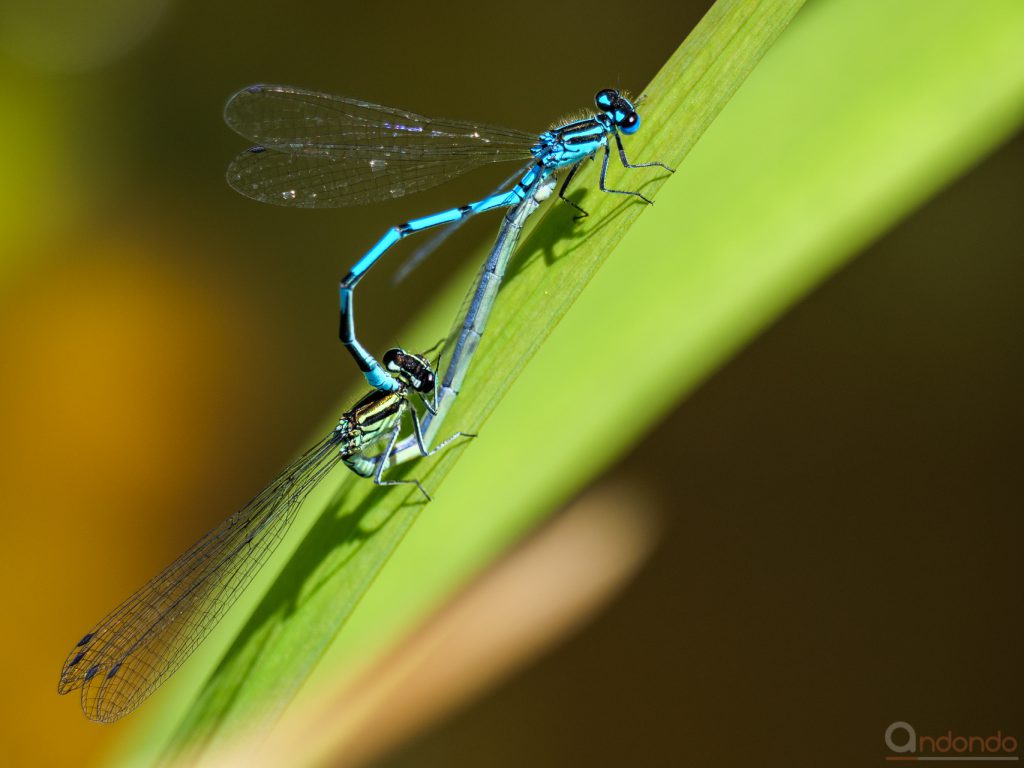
(168, 345)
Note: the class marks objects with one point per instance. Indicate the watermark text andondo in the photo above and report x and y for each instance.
(906, 744)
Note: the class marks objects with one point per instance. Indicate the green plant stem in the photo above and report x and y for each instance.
(860, 113)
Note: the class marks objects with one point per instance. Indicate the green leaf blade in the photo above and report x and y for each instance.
(739, 233)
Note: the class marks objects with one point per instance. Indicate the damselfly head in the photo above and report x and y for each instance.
(414, 371)
(619, 109)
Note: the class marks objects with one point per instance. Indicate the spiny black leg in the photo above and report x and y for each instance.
(604, 172)
(418, 431)
(444, 443)
(437, 378)
(561, 193)
(386, 457)
(627, 164)
(422, 444)
(431, 407)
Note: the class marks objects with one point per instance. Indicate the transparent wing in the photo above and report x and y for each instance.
(317, 181)
(318, 150)
(288, 119)
(126, 657)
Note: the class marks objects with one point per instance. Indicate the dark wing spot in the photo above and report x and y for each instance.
(92, 672)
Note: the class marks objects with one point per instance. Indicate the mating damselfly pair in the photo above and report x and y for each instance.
(318, 150)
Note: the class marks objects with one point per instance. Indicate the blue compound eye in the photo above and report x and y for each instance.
(606, 99)
(628, 123)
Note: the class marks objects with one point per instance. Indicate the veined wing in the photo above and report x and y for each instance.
(319, 150)
(301, 180)
(293, 119)
(126, 657)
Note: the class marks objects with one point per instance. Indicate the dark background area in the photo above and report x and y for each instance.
(842, 550)
(842, 499)
(168, 344)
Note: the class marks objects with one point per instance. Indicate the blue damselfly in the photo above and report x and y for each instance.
(315, 150)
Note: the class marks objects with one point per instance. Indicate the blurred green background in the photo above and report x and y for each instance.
(169, 345)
